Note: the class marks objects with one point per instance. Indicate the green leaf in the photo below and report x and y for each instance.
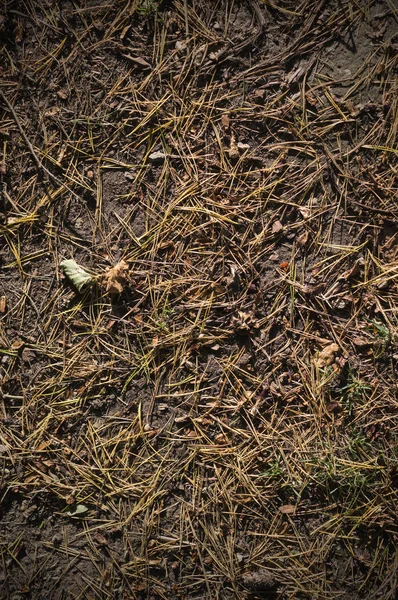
(76, 274)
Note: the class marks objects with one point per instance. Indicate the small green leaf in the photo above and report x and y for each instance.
(76, 274)
(79, 509)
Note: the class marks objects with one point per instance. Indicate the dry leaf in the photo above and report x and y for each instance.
(326, 356)
(353, 271)
(361, 342)
(221, 439)
(277, 227)
(138, 61)
(287, 509)
(115, 278)
(79, 509)
(225, 121)
(51, 112)
(245, 321)
(304, 211)
(76, 274)
(124, 31)
(303, 239)
(157, 157)
(3, 304)
(17, 344)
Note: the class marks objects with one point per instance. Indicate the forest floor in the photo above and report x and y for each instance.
(218, 419)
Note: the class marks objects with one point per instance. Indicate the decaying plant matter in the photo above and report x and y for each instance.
(216, 416)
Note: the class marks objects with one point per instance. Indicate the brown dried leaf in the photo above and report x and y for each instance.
(17, 344)
(115, 278)
(361, 342)
(221, 439)
(273, 389)
(326, 356)
(353, 271)
(303, 239)
(305, 212)
(245, 321)
(225, 121)
(287, 509)
(138, 61)
(277, 227)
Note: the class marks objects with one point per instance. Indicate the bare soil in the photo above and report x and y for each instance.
(226, 426)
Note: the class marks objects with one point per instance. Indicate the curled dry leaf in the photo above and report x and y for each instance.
(326, 356)
(115, 278)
